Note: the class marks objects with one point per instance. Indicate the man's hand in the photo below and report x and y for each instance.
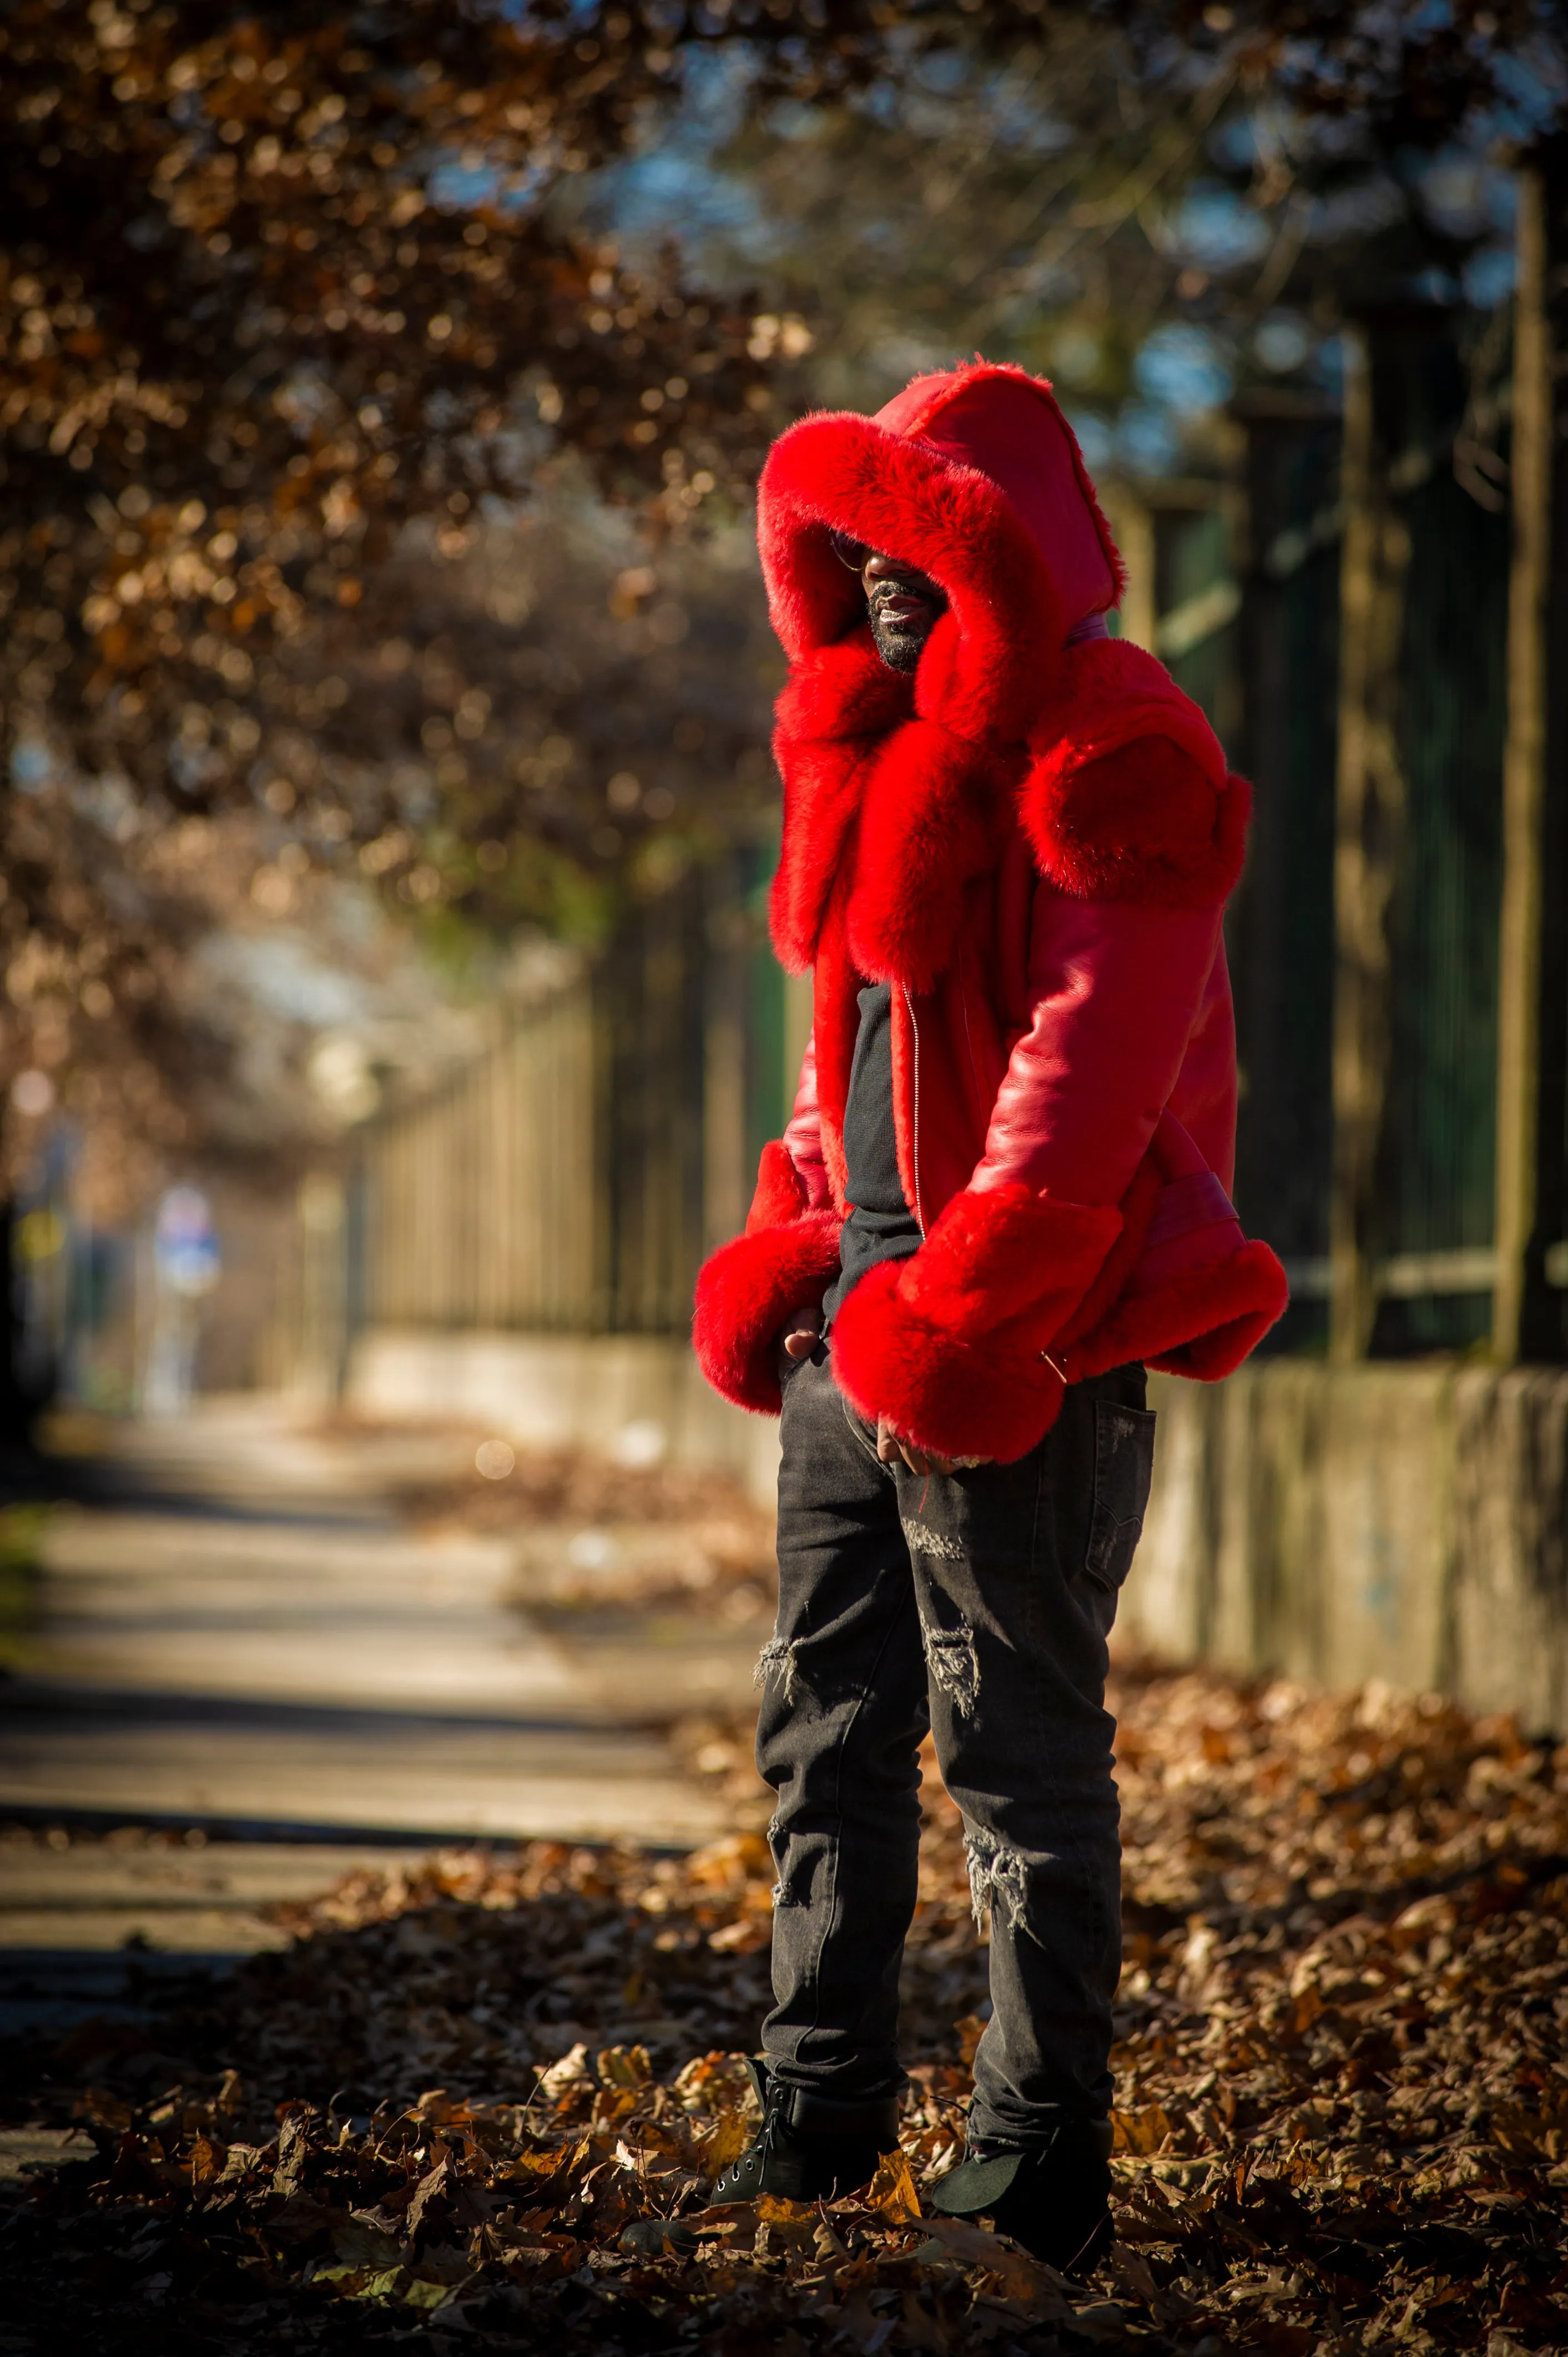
(799, 1336)
(891, 1447)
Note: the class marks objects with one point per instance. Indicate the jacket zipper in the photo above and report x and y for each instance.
(914, 1112)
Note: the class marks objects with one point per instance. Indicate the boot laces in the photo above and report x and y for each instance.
(759, 2152)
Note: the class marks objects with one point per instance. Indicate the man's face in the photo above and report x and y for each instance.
(902, 604)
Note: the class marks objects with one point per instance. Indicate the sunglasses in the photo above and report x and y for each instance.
(849, 552)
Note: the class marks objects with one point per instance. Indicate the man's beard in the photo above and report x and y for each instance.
(899, 646)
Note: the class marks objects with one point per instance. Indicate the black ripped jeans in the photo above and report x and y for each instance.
(977, 1604)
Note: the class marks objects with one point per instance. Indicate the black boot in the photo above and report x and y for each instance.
(1054, 2198)
(810, 2147)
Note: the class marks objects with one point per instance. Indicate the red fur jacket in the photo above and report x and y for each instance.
(1033, 840)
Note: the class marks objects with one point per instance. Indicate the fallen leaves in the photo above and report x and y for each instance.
(491, 2096)
(891, 2192)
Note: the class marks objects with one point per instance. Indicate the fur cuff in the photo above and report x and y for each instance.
(1251, 1292)
(1006, 1257)
(961, 1399)
(1201, 1325)
(948, 1345)
(746, 1291)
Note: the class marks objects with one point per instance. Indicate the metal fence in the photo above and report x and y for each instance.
(1426, 847)
(1339, 604)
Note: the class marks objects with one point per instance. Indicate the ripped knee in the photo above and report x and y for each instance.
(952, 1666)
(998, 1880)
(778, 1660)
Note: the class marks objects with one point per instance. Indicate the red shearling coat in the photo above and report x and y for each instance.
(1033, 840)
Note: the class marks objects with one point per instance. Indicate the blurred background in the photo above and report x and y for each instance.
(388, 1028)
(389, 1025)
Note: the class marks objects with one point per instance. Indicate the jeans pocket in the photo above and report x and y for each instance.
(1124, 1468)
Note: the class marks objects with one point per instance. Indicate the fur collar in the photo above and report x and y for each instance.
(888, 816)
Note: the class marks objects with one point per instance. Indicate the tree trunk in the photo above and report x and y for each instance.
(1526, 1310)
(1368, 824)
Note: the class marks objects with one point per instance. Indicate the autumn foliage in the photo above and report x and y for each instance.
(285, 287)
(273, 284)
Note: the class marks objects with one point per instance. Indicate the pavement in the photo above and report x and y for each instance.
(247, 1676)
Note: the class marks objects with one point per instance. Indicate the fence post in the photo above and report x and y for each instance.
(727, 1189)
(1369, 813)
(1132, 521)
(1520, 1244)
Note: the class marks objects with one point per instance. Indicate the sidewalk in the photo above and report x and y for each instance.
(249, 1676)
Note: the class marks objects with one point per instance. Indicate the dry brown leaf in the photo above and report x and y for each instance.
(892, 2190)
(1017, 2275)
(625, 2066)
(726, 2141)
(1143, 2131)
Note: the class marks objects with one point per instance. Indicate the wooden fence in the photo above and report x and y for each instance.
(569, 1178)
(478, 1203)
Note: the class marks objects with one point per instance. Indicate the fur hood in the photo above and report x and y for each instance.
(899, 790)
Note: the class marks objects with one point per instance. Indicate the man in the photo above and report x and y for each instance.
(1008, 840)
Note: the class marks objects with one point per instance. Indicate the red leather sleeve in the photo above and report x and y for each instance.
(1115, 990)
(803, 1136)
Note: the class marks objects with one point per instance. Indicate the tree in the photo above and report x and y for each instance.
(278, 283)
(1125, 209)
(279, 278)
(271, 288)
(271, 293)
(526, 733)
